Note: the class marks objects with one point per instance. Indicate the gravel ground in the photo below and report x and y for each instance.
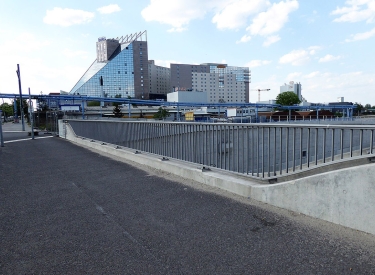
(67, 210)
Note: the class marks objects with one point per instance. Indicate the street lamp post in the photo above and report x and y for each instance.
(20, 89)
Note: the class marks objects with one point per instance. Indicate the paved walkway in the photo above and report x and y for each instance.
(67, 210)
(15, 127)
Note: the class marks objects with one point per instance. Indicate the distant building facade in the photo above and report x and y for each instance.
(123, 65)
(292, 87)
(187, 96)
(222, 83)
(160, 79)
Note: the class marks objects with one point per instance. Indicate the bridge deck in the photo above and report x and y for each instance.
(68, 210)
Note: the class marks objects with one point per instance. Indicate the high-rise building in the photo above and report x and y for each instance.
(292, 87)
(222, 83)
(160, 80)
(122, 64)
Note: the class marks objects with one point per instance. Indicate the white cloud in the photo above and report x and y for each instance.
(109, 9)
(270, 40)
(257, 63)
(313, 49)
(295, 57)
(73, 54)
(361, 36)
(67, 17)
(328, 58)
(293, 75)
(235, 13)
(178, 14)
(166, 63)
(38, 73)
(299, 57)
(273, 19)
(17, 45)
(326, 87)
(244, 39)
(355, 11)
(177, 29)
(311, 75)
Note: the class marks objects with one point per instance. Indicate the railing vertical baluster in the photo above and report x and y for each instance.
(233, 151)
(342, 143)
(333, 144)
(200, 139)
(371, 141)
(324, 145)
(230, 147)
(220, 144)
(246, 138)
(360, 142)
(225, 147)
(269, 151)
(308, 147)
(238, 147)
(160, 129)
(252, 149)
(281, 151)
(274, 151)
(188, 141)
(287, 151)
(185, 140)
(316, 146)
(351, 143)
(263, 158)
(218, 147)
(294, 149)
(206, 151)
(300, 147)
(257, 159)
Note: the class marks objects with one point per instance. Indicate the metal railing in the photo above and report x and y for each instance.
(257, 150)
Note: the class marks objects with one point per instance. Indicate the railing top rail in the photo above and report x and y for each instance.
(250, 125)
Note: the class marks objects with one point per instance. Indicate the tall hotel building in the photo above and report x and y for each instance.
(122, 63)
(160, 80)
(222, 83)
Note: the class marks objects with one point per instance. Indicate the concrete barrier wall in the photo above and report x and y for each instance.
(345, 196)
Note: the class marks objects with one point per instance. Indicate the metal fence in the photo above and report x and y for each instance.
(258, 150)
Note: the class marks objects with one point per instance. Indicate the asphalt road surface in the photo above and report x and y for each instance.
(67, 210)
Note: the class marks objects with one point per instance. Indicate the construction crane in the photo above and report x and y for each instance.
(259, 90)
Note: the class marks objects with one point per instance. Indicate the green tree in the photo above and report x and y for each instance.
(7, 109)
(117, 111)
(161, 113)
(358, 110)
(93, 103)
(287, 99)
(117, 103)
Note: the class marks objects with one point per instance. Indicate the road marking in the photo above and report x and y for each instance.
(16, 140)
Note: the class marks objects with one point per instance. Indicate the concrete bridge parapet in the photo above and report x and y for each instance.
(345, 196)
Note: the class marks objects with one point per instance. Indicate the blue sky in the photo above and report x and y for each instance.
(327, 46)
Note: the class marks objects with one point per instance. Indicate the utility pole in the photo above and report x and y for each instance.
(20, 89)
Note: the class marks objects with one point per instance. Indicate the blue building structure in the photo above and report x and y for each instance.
(122, 64)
